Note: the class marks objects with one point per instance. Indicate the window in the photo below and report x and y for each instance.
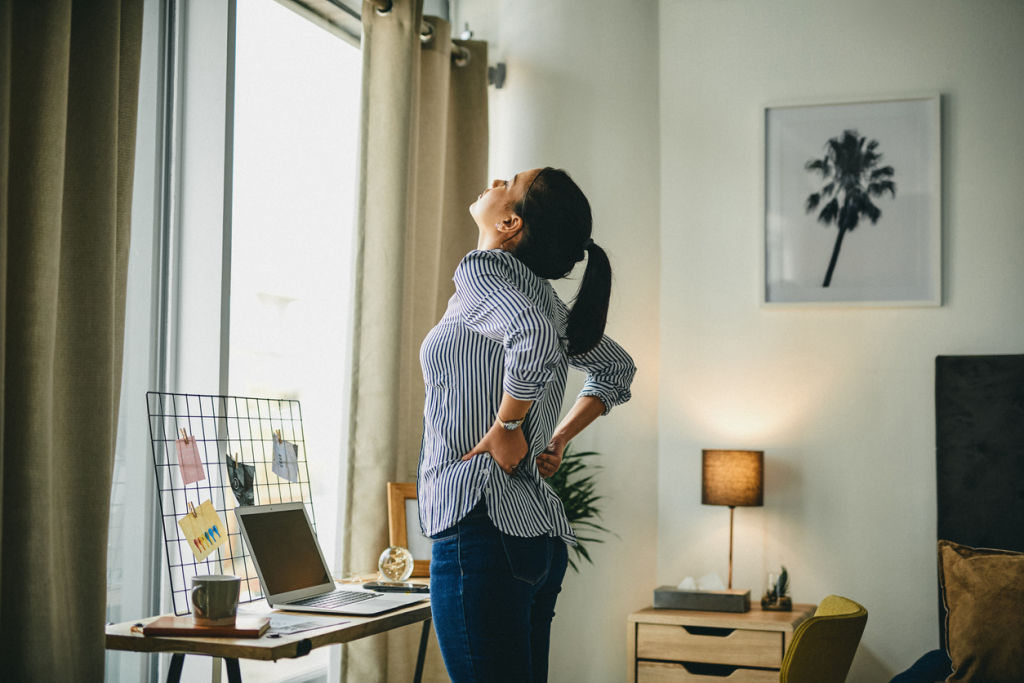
(295, 148)
(260, 307)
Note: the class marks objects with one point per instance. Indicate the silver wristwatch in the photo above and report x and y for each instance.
(511, 425)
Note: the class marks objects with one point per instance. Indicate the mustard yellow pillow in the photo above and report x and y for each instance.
(983, 591)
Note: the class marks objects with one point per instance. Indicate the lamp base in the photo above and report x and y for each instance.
(670, 597)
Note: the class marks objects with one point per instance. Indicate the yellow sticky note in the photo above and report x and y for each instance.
(204, 530)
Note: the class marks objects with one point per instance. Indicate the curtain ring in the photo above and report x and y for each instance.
(384, 7)
(426, 33)
(460, 56)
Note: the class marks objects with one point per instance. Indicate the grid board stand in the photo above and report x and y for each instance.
(245, 428)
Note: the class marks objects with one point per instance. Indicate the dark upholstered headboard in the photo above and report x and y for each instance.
(979, 426)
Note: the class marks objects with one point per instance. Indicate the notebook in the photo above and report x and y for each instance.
(291, 565)
(244, 627)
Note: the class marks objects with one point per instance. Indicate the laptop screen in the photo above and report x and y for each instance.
(283, 545)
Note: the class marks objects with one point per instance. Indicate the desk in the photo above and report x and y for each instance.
(666, 645)
(121, 637)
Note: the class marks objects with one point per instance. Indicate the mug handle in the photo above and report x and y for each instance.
(199, 599)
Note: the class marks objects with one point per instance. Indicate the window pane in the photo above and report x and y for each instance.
(295, 148)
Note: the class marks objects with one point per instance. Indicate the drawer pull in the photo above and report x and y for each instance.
(701, 669)
(708, 631)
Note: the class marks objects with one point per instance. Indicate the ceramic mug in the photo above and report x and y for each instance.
(215, 599)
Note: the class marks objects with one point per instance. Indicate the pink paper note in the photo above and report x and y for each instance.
(188, 461)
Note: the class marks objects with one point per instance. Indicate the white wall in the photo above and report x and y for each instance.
(581, 94)
(841, 400)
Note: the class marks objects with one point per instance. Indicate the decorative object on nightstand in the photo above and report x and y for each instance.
(776, 598)
(732, 478)
(669, 597)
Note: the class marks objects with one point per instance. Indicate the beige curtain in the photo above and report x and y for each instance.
(423, 160)
(68, 99)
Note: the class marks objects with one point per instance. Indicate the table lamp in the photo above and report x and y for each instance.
(732, 478)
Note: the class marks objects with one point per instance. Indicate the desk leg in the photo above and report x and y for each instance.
(234, 673)
(178, 661)
(174, 671)
(422, 654)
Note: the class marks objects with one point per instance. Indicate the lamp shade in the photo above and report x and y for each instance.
(733, 478)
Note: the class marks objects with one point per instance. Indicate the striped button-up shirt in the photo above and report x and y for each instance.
(504, 331)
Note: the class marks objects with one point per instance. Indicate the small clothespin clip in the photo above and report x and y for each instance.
(184, 434)
(278, 433)
(192, 509)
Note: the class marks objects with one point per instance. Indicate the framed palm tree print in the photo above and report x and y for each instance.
(852, 200)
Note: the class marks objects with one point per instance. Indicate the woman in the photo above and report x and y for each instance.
(495, 369)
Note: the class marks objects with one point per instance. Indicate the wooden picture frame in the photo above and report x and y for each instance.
(405, 532)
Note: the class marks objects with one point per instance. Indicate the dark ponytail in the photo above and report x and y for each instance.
(556, 236)
(590, 309)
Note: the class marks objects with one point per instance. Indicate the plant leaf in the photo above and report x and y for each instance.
(575, 483)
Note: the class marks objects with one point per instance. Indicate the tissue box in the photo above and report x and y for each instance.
(670, 597)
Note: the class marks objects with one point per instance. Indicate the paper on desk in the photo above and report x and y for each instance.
(285, 624)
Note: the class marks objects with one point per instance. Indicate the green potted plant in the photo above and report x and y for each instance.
(574, 483)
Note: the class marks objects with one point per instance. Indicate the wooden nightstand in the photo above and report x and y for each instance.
(668, 645)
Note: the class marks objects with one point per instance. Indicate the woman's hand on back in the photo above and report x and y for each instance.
(550, 460)
(507, 448)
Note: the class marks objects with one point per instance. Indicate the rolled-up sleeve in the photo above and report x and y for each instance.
(492, 306)
(609, 371)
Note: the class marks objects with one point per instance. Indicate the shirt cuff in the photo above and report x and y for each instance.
(609, 399)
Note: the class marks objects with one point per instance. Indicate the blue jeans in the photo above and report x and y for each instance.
(493, 597)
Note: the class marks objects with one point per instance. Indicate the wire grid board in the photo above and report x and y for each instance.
(243, 427)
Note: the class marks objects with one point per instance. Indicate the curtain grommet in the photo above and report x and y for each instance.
(426, 33)
(460, 56)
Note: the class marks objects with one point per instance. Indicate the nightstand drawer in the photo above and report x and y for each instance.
(738, 647)
(671, 672)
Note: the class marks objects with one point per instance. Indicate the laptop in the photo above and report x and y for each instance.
(292, 569)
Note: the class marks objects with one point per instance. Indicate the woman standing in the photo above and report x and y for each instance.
(495, 370)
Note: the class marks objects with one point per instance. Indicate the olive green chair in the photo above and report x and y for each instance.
(823, 645)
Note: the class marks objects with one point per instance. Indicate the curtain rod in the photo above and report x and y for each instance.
(460, 55)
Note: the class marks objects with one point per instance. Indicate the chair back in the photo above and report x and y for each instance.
(823, 646)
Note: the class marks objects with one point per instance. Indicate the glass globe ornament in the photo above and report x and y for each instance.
(395, 563)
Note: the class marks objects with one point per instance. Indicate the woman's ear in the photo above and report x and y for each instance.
(511, 225)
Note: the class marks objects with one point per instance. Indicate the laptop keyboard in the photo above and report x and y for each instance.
(335, 599)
